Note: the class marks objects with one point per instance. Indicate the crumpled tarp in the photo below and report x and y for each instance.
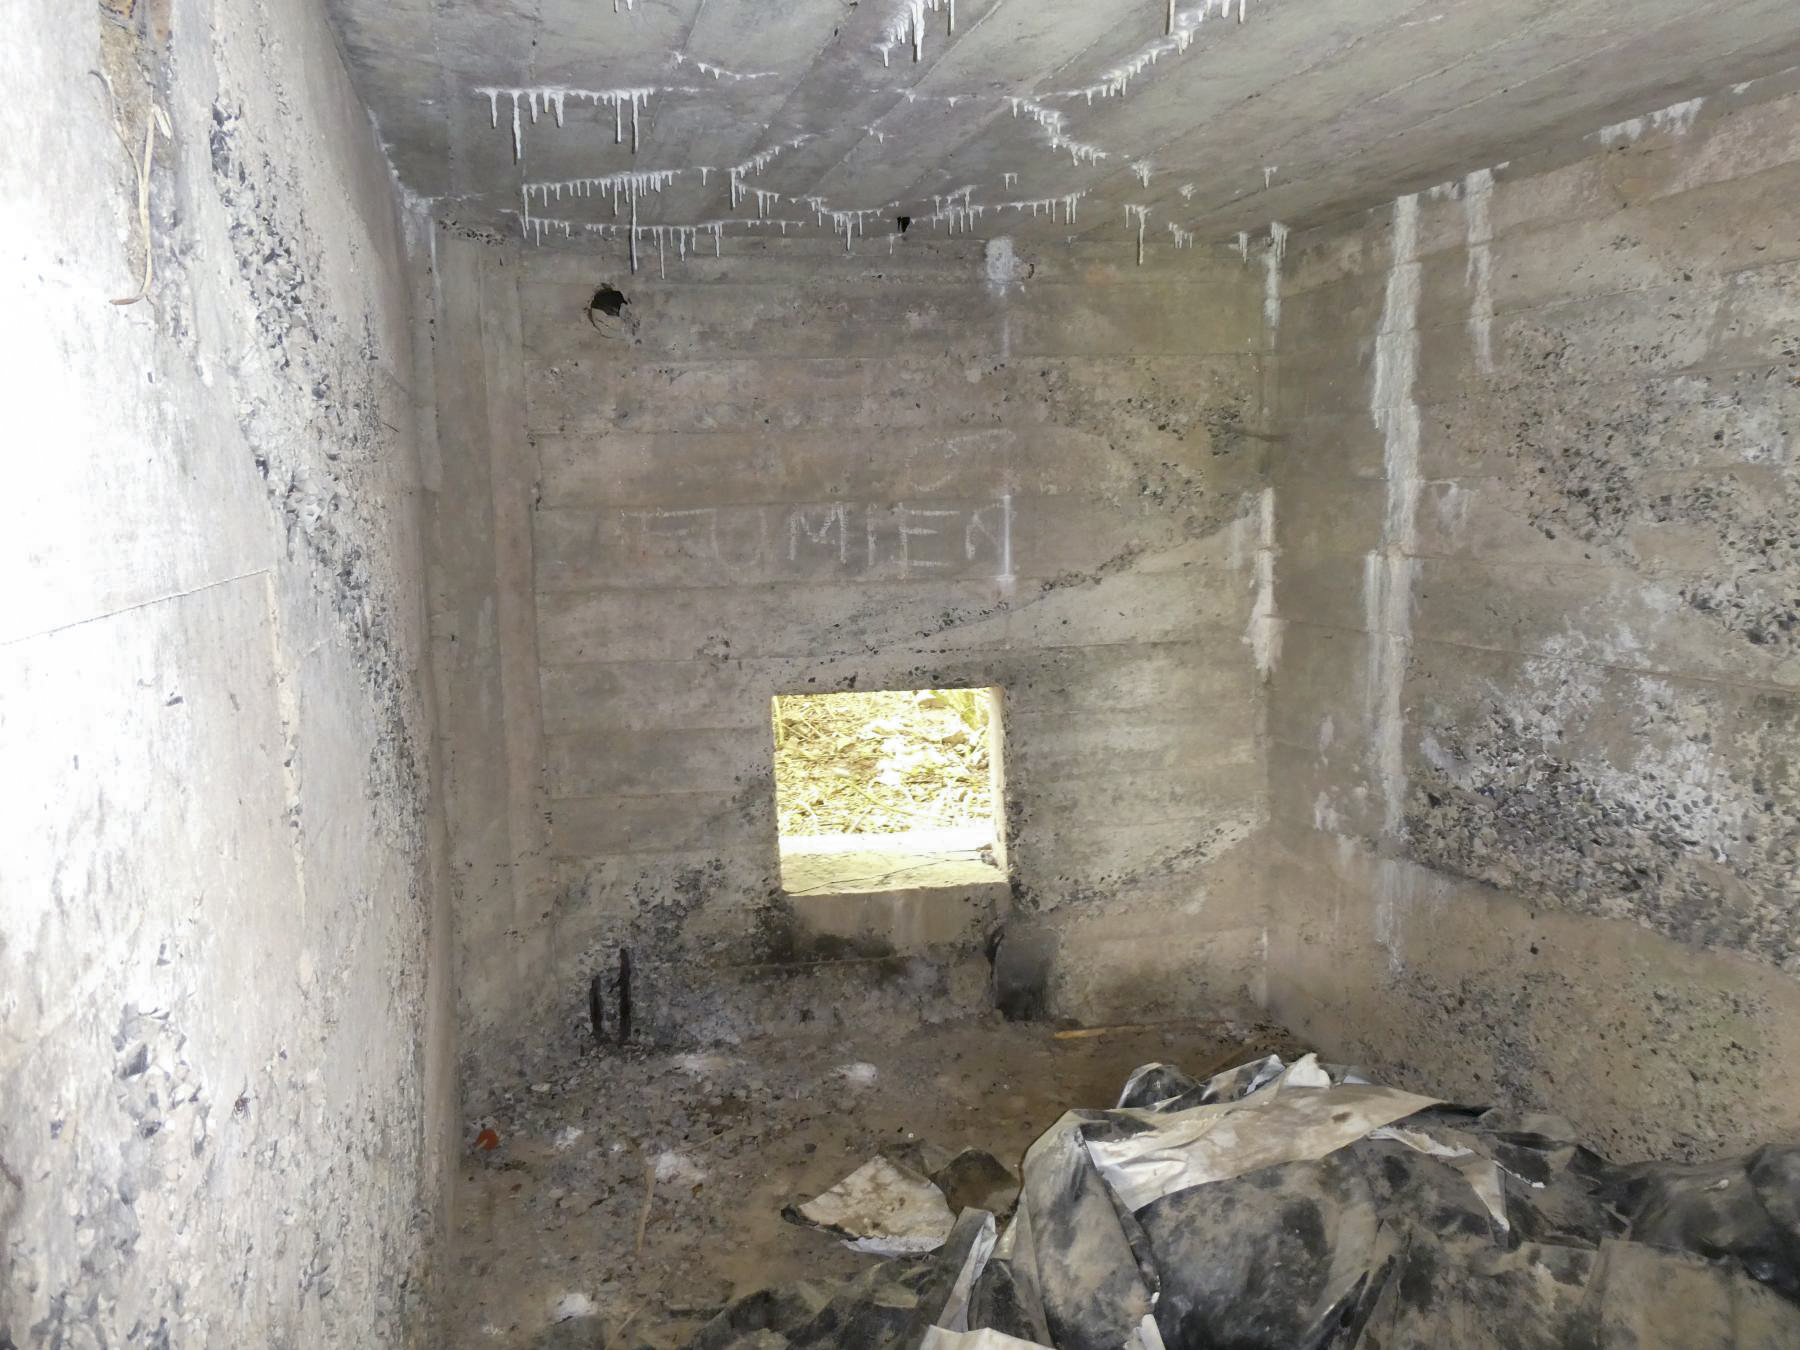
(1296, 1207)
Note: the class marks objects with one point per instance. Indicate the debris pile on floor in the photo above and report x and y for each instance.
(1293, 1205)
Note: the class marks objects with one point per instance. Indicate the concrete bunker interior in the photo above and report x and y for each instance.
(1359, 440)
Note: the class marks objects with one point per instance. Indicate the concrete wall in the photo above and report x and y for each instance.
(481, 483)
(797, 471)
(1533, 732)
(223, 1049)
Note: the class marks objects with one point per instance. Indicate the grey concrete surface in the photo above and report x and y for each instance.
(1532, 743)
(1246, 112)
(224, 1046)
(484, 640)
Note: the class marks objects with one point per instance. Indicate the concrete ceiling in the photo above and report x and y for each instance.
(1216, 116)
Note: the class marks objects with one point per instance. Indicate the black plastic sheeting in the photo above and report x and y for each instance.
(1448, 1227)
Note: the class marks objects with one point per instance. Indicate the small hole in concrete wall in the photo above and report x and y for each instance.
(888, 790)
(904, 222)
(607, 300)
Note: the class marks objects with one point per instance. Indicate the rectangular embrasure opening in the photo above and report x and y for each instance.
(889, 790)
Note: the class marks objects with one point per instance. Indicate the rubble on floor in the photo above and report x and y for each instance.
(906, 1200)
(559, 1158)
(1286, 1205)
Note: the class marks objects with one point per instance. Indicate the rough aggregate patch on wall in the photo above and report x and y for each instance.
(1576, 717)
(1669, 813)
(1678, 480)
(332, 369)
(1614, 466)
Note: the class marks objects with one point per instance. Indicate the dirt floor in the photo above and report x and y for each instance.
(548, 1222)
